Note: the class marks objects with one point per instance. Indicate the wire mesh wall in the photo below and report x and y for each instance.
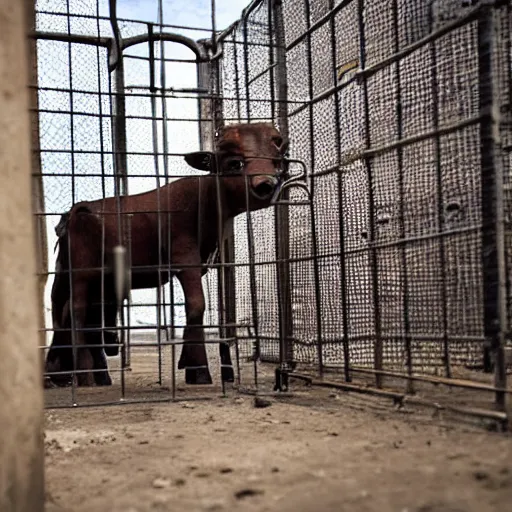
(389, 107)
(391, 257)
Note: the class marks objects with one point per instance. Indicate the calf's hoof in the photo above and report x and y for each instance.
(111, 350)
(198, 376)
(85, 380)
(102, 379)
(60, 381)
(227, 373)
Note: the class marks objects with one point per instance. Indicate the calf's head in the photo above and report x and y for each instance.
(248, 157)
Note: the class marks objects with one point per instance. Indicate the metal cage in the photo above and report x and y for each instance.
(386, 267)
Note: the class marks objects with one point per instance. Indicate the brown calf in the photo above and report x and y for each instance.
(245, 173)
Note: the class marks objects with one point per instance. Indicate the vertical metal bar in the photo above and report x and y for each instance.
(237, 77)
(103, 184)
(121, 165)
(341, 218)
(270, 23)
(316, 269)
(238, 111)
(282, 211)
(120, 130)
(214, 28)
(440, 210)
(371, 205)
(73, 199)
(401, 192)
(493, 228)
(152, 88)
(72, 323)
(250, 240)
(165, 148)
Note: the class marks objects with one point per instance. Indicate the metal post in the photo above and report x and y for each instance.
(282, 211)
(493, 228)
(120, 132)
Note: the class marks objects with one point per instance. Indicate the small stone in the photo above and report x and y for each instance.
(239, 400)
(274, 470)
(334, 434)
(143, 442)
(226, 470)
(246, 493)
(186, 405)
(429, 442)
(364, 494)
(260, 403)
(480, 475)
(179, 482)
(203, 474)
(334, 395)
(161, 483)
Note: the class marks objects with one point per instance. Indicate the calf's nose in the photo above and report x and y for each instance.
(263, 187)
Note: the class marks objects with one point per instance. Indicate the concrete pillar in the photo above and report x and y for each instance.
(21, 397)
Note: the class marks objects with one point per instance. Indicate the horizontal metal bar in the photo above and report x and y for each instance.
(322, 21)
(156, 58)
(303, 259)
(71, 38)
(189, 90)
(142, 327)
(259, 75)
(124, 20)
(102, 115)
(413, 139)
(423, 136)
(129, 401)
(148, 95)
(390, 336)
(455, 383)
(140, 344)
(397, 397)
(402, 399)
(500, 417)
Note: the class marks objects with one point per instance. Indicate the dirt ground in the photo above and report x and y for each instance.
(314, 450)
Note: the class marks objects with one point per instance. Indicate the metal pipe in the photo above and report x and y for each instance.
(493, 234)
(373, 260)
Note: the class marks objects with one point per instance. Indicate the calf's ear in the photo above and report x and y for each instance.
(201, 160)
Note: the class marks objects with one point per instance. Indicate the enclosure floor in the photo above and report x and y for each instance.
(313, 451)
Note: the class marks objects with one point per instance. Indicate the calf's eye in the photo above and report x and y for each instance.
(235, 165)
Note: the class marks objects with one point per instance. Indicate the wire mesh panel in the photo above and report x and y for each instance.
(386, 106)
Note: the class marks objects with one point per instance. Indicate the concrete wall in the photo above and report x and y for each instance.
(21, 399)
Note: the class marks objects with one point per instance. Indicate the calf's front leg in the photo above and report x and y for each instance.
(193, 355)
